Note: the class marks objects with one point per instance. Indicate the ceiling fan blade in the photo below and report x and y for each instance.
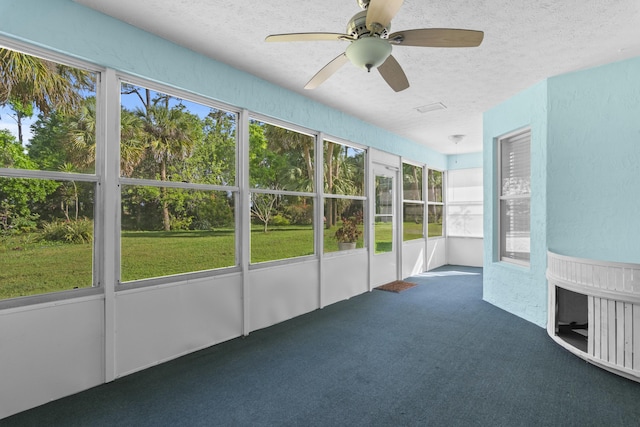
(382, 12)
(327, 71)
(392, 73)
(307, 37)
(437, 37)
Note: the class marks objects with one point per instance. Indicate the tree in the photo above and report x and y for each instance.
(66, 143)
(21, 112)
(132, 142)
(81, 136)
(18, 194)
(213, 158)
(263, 207)
(342, 176)
(412, 187)
(262, 174)
(435, 193)
(26, 81)
(330, 211)
(70, 194)
(293, 146)
(170, 134)
(47, 146)
(11, 153)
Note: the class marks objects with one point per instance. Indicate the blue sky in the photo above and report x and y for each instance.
(129, 101)
(7, 122)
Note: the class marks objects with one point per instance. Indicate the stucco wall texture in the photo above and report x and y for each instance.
(585, 184)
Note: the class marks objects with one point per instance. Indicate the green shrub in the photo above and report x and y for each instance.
(25, 224)
(279, 220)
(79, 231)
(201, 224)
(180, 223)
(300, 214)
(53, 231)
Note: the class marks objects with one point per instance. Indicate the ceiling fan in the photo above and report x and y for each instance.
(371, 43)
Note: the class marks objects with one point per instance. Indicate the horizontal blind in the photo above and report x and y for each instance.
(515, 208)
(515, 162)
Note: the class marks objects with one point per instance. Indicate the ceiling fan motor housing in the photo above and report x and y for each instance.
(357, 27)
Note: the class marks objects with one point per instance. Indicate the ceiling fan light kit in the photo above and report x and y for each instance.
(368, 33)
(368, 52)
(456, 138)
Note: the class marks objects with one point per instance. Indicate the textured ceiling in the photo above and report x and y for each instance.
(525, 42)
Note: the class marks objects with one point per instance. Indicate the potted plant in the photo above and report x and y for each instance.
(348, 233)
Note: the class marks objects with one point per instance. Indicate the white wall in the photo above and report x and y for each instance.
(159, 323)
(413, 257)
(48, 351)
(436, 252)
(465, 251)
(344, 275)
(282, 292)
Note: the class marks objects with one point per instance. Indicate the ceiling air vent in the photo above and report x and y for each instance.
(431, 107)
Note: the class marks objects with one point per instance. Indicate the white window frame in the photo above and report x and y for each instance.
(97, 178)
(453, 205)
(311, 194)
(432, 203)
(322, 138)
(519, 136)
(123, 78)
(422, 202)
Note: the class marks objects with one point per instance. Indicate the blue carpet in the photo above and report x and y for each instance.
(435, 354)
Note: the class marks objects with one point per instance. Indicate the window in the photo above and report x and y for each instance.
(383, 217)
(281, 180)
(178, 192)
(435, 203)
(514, 199)
(464, 203)
(344, 197)
(47, 175)
(413, 203)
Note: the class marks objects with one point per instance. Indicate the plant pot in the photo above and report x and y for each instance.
(345, 246)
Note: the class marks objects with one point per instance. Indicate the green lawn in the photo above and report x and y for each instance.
(281, 242)
(147, 254)
(28, 267)
(435, 230)
(411, 230)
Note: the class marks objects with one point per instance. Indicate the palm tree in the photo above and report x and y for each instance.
(285, 141)
(26, 80)
(330, 214)
(340, 178)
(171, 134)
(132, 142)
(81, 135)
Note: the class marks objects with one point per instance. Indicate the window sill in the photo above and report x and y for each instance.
(55, 298)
